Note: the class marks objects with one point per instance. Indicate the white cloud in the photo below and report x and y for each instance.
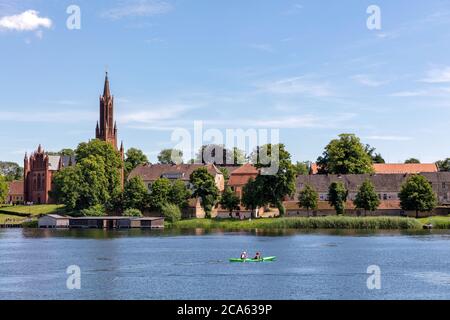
(142, 8)
(48, 117)
(366, 80)
(154, 114)
(407, 94)
(297, 85)
(389, 138)
(26, 21)
(438, 75)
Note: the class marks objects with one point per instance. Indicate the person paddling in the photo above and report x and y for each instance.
(244, 255)
(258, 256)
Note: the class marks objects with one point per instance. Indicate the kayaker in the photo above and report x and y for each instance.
(244, 255)
(258, 256)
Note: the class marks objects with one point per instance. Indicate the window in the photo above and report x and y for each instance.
(443, 185)
(385, 197)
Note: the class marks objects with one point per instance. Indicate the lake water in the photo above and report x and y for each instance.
(143, 264)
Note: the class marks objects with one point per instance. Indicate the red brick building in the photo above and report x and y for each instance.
(40, 167)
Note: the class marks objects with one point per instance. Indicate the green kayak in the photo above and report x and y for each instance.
(267, 259)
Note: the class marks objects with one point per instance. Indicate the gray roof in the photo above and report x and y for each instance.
(53, 163)
(382, 182)
(152, 172)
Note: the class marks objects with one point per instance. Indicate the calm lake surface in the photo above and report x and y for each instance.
(194, 265)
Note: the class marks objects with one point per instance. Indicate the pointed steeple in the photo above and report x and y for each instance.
(106, 90)
(39, 150)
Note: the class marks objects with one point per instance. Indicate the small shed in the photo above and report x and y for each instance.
(53, 221)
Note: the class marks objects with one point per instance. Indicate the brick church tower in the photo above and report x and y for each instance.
(106, 130)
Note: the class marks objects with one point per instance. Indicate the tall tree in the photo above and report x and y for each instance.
(277, 180)
(11, 171)
(160, 192)
(376, 157)
(135, 194)
(444, 165)
(346, 155)
(229, 200)
(179, 194)
(204, 187)
(412, 161)
(170, 156)
(308, 198)
(337, 196)
(134, 158)
(418, 195)
(3, 189)
(111, 158)
(252, 196)
(302, 168)
(94, 180)
(367, 198)
(219, 155)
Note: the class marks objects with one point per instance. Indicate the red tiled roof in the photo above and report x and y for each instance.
(410, 168)
(241, 176)
(16, 188)
(389, 168)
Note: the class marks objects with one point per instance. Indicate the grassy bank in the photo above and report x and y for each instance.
(331, 222)
(32, 211)
(437, 222)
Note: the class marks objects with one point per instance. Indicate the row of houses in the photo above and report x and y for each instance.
(387, 180)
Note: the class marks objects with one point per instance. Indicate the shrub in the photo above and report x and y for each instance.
(132, 213)
(94, 211)
(171, 212)
(30, 224)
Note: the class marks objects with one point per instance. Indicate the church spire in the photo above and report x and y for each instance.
(106, 90)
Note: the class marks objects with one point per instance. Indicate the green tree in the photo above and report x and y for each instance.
(219, 155)
(229, 200)
(376, 157)
(132, 213)
(412, 161)
(170, 156)
(160, 192)
(112, 162)
(134, 157)
(226, 173)
(171, 212)
(444, 165)
(204, 187)
(418, 195)
(302, 168)
(337, 196)
(252, 196)
(4, 189)
(346, 155)
(95, 211)
(11, 171)
(94, 180)
(179, 194)
(367, 198)
(308, 198)
(135, 194)
(277, 178)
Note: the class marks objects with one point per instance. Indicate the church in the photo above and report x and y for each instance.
(40, 167)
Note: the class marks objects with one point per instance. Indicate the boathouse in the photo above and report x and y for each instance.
(53, 221)
(116, 223)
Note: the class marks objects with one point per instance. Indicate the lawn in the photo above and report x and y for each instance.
(32, 211)
(440, 222)
(5, 218)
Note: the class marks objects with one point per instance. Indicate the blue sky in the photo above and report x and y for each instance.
(309, 68)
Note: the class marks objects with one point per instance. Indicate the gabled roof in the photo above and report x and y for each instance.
(389, 168)
(152, 172)
(15, 187)
(385, 168)
(242, 175)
